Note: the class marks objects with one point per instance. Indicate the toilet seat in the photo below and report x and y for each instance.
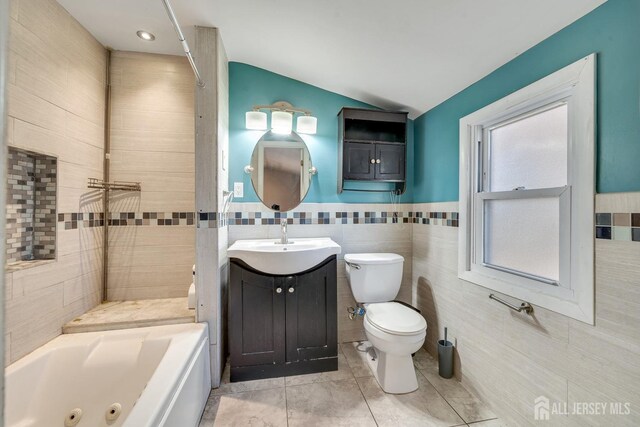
(395, 318)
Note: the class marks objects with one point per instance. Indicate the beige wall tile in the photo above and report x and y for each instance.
(27, 46)
(149, 276)
(148, 161)
(30, 108)
(46, 79)
(76, 176)
(43, 140)
(8, 286)
(146, 256)
(510, 358)
(153, 201)
(84, 130)
(152, 142)
(79, 240)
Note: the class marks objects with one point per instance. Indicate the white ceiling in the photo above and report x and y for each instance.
(407, 54)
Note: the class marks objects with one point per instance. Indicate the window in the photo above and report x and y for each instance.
(527, 193)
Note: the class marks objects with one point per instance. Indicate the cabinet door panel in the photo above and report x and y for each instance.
(392, 161)
(256, 318)
(311, 314)
(357, 160)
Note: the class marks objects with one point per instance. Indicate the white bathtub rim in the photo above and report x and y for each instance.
(187, 341)
(166, 382)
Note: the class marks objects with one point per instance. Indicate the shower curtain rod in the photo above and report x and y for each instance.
(185, 46)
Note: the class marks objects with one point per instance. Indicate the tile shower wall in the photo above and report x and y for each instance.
(31, 206)
(44, 221)
(55, 107)
(353, 237)
(511, 358)
(20, 205)
(152, 142)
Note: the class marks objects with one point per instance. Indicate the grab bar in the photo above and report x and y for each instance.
(524, 306)
(353, 265)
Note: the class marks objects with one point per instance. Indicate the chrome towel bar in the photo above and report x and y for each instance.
(524, 306)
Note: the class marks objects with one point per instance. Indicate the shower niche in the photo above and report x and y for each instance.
(30, 208)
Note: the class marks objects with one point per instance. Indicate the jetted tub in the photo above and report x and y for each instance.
(155, 376)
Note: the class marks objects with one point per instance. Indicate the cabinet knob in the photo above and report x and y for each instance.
(373, 161)
(378, 161)
(278, 290)
(291, 290)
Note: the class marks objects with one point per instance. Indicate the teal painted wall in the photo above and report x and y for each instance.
(249, 86)
(613, 32)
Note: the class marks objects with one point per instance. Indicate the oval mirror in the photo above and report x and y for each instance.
(280, 170)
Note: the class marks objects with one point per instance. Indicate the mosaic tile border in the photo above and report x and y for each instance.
(618, 226)
(72, 221)
(449, 219)
(609, 226)
(75, 220)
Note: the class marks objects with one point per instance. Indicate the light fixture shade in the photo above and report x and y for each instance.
(281, 122)
(307, 124)
(256, 120)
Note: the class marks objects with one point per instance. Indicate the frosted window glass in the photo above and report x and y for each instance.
(531, 152)
(524, 235)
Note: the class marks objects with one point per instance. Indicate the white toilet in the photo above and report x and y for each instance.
(395, 330)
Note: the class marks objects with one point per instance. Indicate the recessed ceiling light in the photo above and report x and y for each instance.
(145, 35)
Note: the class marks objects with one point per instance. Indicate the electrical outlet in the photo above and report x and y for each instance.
(238, 189)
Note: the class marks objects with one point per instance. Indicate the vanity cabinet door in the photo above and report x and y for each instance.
(256, 318)
(312, 331)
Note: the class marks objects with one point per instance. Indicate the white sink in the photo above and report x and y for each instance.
(270, 256)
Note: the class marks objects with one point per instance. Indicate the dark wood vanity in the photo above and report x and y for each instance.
(282, 325)
(372, 146)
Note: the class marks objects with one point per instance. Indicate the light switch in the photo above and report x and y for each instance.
(238, 189)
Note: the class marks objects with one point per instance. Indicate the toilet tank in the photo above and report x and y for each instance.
(378, 277)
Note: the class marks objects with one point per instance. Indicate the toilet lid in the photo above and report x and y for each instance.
(395, 318)
(374, 258)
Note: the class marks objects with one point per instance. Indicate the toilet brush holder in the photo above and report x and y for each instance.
(445, 357)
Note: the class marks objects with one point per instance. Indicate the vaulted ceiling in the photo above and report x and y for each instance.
(406, 54)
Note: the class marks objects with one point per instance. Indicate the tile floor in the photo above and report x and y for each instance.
(349, 396)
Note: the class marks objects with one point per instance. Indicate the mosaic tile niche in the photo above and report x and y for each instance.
(31, 206)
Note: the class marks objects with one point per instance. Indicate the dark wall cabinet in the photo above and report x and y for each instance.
(282, 325)
(372, 146)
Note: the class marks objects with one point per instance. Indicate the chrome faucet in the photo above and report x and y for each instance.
(283, 232)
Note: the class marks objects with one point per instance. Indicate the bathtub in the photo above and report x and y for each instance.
(155, 376)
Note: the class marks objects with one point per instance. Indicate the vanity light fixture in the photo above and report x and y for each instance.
(145, 35)
(281, 118)
(256, 120)
(307, 124)
(281, 122)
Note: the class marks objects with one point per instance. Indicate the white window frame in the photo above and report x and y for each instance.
(573, 294)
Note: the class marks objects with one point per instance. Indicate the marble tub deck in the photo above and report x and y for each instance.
(132, 314)
(349, 396)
